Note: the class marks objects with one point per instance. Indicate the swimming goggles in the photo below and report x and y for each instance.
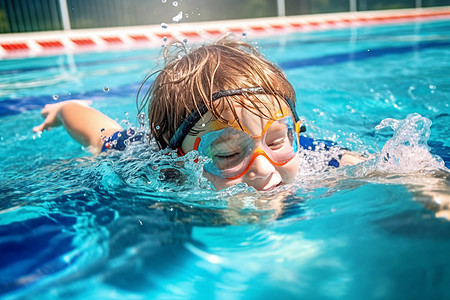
(232, 151)
(207, 145)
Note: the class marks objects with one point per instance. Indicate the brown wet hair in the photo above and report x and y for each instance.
(191, 76)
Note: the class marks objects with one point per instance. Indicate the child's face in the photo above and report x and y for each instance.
(264, 161)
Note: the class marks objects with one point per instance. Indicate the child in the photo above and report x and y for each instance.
(224, 100)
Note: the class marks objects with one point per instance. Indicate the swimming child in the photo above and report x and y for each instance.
(224, 100)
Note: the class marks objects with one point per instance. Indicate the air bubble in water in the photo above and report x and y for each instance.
(55, 97)
(163, 1)
(164, 25)
(178, 17)
(158, 127)
(185, 41)
(165, 39)
(106, 89)
(175, 3)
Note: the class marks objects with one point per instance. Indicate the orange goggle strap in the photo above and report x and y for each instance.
(180, 151)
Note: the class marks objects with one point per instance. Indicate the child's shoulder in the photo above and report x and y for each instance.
(121, 139)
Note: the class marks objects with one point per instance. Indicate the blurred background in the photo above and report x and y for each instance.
(43, 15)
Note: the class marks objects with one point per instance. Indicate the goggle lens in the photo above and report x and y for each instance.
(232, 151)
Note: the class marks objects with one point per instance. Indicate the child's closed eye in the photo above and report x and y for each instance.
(277, 144)
(227, 156)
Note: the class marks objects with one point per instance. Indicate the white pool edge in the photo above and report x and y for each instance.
(100, 39)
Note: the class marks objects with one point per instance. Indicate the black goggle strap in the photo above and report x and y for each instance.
(195, 116)
(294, 112)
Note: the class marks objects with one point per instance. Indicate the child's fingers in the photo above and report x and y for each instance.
(46, 125)
(39, 128)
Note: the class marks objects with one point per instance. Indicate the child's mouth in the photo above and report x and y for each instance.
(271, 187)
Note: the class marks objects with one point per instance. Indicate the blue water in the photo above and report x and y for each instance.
(77, 226)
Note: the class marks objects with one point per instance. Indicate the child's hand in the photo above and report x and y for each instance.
(352, 158)
(50, 113)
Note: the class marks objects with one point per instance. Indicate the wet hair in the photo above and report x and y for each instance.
(191, 76)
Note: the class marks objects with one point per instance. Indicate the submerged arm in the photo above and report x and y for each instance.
(85, 124)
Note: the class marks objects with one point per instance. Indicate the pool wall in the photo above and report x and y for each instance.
(72, 41)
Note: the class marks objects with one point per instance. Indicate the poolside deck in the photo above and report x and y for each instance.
(100, 39)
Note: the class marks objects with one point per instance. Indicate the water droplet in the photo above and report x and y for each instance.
(185, 41)
(164, 25)
(106, 89)
(164, 1)
(165, 39)
(103, 129)
(186, 16)
(178, 17)
(203, 125)
(55, 97)
(141, 118)
(175, 3)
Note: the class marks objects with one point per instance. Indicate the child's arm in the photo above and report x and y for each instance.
(85, 124)
(349, 158)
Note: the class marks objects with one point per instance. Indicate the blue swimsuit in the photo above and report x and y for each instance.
(118, 140)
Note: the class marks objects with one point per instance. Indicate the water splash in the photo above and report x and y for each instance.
(407, 151)
(178, 17)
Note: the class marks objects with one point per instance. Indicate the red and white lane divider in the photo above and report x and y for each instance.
(49, 43)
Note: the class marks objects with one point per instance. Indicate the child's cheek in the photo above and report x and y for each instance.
(219, 182)
(290, 170)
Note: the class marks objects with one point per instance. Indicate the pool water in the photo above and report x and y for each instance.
(77, 226)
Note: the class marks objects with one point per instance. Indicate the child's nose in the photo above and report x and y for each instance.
(261, 168)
